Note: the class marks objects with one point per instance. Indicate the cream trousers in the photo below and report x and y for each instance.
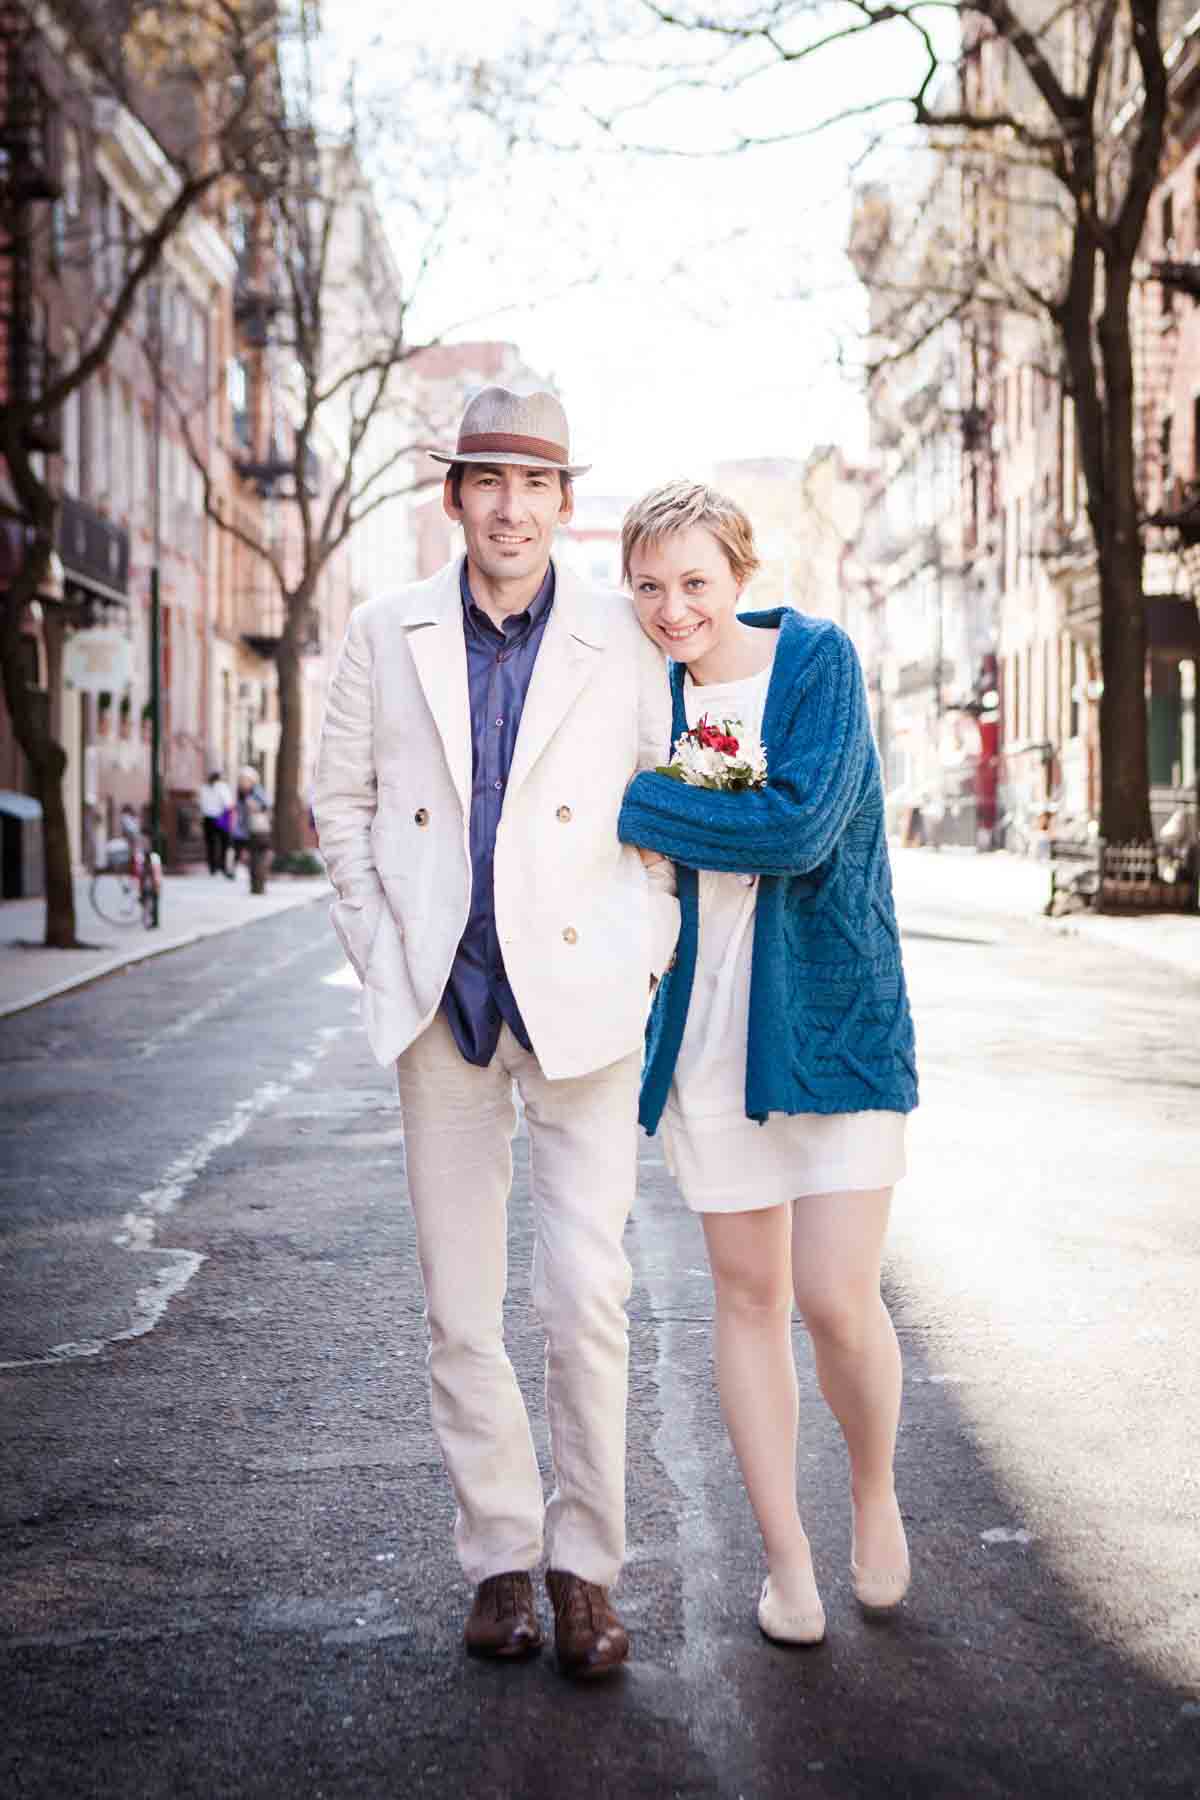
(459, 1122)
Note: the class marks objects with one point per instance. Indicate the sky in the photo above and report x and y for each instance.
(689, 308)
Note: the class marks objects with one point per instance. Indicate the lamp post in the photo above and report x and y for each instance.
(156, 845)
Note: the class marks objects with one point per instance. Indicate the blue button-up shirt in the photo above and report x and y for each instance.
(478, 999)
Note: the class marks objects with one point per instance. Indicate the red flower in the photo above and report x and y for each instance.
(709, 738)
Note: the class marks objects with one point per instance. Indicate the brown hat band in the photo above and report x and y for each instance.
(513, 444)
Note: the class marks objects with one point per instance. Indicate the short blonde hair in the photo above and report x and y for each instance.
(677, 506)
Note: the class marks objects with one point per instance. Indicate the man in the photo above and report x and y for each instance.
(480, 732)
(216, 805)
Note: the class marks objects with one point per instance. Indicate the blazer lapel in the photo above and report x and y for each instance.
(439, 653)
(571, 652)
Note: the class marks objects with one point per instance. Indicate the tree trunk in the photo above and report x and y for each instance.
(47, 759)
(1124, 747)
(1124, 724)
(289, 802)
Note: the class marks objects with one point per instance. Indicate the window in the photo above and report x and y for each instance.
(1014, 719)
(1166, 432)
(72, 421)
(153, 452)
(138, 485)
(1078, 686)
(100, 440)
(239, 401)
(72, 177)
(1167, 226)
(238, 237)
(121, 451)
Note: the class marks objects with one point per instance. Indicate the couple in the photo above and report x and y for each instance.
(514, 881)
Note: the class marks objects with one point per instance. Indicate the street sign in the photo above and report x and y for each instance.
(98, 661)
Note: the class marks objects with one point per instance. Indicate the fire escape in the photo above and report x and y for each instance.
(264, 464)
(1177, 512)
(26, 182)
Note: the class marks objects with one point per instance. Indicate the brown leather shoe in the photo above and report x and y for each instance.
(588, 1636)
(503, 1622)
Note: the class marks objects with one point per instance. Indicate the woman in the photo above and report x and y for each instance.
(780, 1049)
(251, 817)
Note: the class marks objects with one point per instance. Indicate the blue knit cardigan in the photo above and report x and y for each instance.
(830, 1029)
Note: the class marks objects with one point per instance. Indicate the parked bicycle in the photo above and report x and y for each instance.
(128, 883)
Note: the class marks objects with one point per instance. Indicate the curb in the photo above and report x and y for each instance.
(1084, 930)
(147, 953)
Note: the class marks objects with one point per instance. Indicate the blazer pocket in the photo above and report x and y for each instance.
(356, 923)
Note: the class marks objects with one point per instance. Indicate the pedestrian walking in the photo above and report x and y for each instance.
(780, 1060)
(480, 732)
(252, 826)
(216, 806)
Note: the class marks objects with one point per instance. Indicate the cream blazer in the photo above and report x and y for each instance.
(582, 928)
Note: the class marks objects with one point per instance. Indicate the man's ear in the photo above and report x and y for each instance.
(448, 507)
(566, 511)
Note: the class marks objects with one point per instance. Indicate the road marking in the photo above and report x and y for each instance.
(236, 989)
(140, 1224)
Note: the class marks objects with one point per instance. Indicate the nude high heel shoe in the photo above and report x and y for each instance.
(880, 1590)
(785, 1624)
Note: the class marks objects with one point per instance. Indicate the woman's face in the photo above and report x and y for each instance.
(685, 593)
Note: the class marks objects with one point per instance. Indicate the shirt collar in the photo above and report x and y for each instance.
(520, 623)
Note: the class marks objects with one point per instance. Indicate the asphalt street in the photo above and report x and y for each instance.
(225, 1556)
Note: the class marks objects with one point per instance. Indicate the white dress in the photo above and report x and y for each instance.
(723, 1161)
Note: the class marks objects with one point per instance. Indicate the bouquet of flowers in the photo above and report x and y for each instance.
(718, 754)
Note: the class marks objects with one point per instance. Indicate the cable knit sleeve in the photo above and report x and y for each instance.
(818, 753)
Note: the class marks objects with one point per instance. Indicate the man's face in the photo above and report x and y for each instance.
(508, 516)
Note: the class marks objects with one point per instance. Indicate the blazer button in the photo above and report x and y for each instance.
(570, 935)
(564, 815)
(420, 817)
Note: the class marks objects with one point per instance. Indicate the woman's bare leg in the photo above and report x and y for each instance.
(756, 1379)
(837, 1243)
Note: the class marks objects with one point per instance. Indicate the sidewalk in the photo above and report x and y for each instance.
(1017, 887)
(193, 906)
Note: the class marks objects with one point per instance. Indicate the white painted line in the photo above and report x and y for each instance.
(188, 1021)
(139, 1225)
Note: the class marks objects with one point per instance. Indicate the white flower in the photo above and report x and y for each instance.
(703, 765)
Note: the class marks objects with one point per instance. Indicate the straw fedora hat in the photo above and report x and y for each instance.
(529, 430)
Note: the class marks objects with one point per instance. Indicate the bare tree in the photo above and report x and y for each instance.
(193, 72)
(338, 233)
(1069, 100)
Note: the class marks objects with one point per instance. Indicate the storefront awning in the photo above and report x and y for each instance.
(1172, 625)
(94, 551)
